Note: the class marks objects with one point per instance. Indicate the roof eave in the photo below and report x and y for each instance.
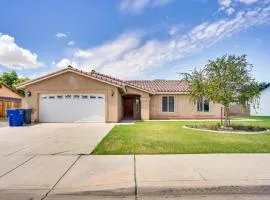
(184, 92)
(23, 85)
(138, 88)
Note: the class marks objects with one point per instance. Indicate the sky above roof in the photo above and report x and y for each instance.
(132, 39)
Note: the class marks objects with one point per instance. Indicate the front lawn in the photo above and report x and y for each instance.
(160, 137)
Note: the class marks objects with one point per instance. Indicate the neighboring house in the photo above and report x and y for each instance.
(9, 98)
(72, 95)
(263, 108)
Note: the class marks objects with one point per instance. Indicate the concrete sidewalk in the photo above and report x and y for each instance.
(130, 177)
(203, 174)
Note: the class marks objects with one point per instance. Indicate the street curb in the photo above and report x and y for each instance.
(117, 192)
(182, 190)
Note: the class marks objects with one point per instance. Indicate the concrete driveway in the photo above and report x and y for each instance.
(52, 139)
(3, 123)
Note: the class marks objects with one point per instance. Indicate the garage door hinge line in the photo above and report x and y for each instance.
(61, 177)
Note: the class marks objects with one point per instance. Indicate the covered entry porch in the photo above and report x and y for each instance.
(131, 107)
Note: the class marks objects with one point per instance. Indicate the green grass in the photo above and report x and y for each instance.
(162, 137)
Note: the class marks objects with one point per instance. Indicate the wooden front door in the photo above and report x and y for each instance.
(128, 107)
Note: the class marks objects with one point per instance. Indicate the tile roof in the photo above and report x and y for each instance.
(161, 85)
(107, 78)
(151, 86)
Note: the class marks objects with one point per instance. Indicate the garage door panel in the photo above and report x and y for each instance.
(72, 108)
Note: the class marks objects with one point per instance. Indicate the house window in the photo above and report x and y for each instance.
(203, 105)
(168, 104)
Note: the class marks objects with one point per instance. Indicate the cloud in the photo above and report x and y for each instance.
(131, 54)
(13, 56)
(228, 5)
(230, 11)
(61, 35)
(71, 43)
(39, 74)
(161, 2)
(136, 6)
(65, 63)
(177, 28)
(247, 1)
(225, 3)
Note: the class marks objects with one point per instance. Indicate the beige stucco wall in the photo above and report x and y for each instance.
(70, 82)
(120, 106)
(183, 108)
(6, 92)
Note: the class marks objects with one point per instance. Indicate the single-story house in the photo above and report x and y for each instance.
(263, 107)
(72, 95)
(9, 98)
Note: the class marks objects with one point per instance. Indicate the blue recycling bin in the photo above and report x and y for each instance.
(15, 117)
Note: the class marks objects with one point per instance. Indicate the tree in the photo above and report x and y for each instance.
(11, 79)
(263, 85)
(225, 80)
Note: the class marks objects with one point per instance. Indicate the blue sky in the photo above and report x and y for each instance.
(135, 39)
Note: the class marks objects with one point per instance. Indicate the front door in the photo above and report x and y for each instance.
(128, 107)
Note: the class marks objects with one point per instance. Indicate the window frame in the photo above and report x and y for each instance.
(168, 103)
(203, 110)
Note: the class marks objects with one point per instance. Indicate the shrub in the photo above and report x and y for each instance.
(218, 127)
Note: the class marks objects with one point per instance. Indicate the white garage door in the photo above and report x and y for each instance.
(72, 108)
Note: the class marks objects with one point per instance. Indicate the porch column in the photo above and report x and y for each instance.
(145, 108)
